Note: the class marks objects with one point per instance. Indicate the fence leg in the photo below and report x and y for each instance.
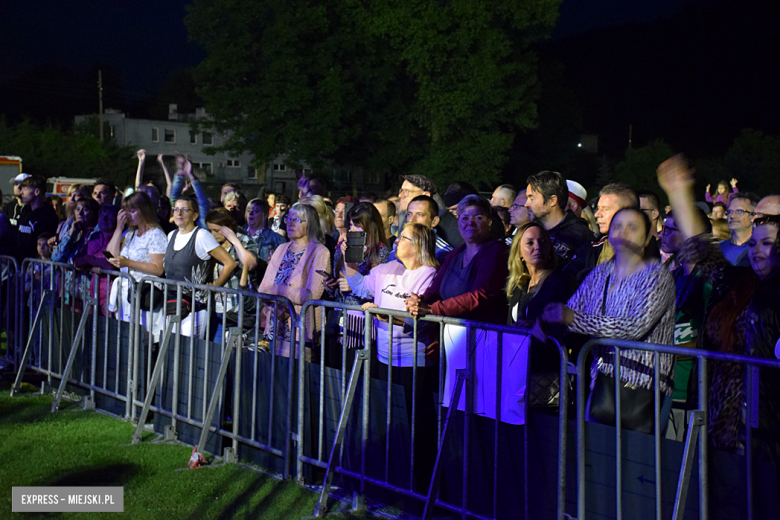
(322, 503)
(235, 334)
(26, 355)
(433, 490)
(695, 422)
(55, 406)
(174, 320)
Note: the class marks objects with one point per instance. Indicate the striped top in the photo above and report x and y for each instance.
(640, 307)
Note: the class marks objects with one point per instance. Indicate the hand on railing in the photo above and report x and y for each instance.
(416, 306)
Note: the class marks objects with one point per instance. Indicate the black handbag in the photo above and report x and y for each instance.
(637, 405)
(147, 300)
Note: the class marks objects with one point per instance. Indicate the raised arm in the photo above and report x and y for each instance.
(676, 179)
(245, 257)
(168, 182)
(184, 169)
(139, 172)
(115, 244)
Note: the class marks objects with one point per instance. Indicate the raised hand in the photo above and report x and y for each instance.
(734, 183)
(708, 187)
(121, 219)
(141, 155)
(230, 236)
(674, 174)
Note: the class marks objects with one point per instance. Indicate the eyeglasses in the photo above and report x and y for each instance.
(297, 220)
(739, 212)
(404, 192)
(766, 219)
(182, 210)
(515, 207)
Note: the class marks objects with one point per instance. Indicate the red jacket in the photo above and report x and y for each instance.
(486, 301)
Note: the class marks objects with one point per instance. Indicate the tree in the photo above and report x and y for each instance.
(638, 170)
(754, 159)
(49, 151)
(437, 88)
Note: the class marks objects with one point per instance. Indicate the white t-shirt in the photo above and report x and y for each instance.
(141, 248)
(204, 242)
(390, 285)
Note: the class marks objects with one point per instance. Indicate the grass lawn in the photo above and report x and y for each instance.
(85, 448)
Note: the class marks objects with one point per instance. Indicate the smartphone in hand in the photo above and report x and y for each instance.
(108, 255)
(356, 241)
(324, 274)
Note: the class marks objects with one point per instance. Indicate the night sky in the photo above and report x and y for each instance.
(627, 61)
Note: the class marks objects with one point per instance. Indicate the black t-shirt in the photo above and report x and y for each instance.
(31, 224)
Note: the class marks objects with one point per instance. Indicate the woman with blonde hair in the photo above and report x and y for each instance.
(326, 221)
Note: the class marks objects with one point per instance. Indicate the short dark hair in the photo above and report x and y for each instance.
(549, 183)
(282, 199)
(652, 197)
(622, 191)
(432, 205)
(316, 184)
(233, 185)
(369, 195)
(719, 204)
(390, 206)
(36, 182)
(106, 182)
(749, 196)
(44, 236)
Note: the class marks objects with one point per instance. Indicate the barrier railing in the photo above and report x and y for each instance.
(57, 296)
(474, 363)
(696, 432)
(10, 312)
(187, 382)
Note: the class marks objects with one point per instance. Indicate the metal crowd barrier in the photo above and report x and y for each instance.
(69, 334)
(338, 436)
(10, 311)
(696, 435)
(206, 387)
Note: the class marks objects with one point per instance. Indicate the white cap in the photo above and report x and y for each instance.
(577, 192)
(20, 178)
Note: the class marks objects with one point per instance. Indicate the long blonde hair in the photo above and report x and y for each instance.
(425, 240)
(519, 277)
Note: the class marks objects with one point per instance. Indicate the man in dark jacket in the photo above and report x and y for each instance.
(40, 219)
(612, 198)
(547, 197)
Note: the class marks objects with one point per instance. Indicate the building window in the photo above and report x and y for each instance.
(371, 177)
(193, 138)
(207, 138)
(206, 167)
(280, 167)
(233, 163)
(170, 136)
(155, 135)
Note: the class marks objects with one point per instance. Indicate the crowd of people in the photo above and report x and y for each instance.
(541, 257)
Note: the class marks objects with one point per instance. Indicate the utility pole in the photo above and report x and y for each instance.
(630, 133)
(100, 102)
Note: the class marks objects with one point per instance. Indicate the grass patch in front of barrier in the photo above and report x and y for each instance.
(83, 448)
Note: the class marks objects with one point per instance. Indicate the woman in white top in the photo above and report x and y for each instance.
(139, 251)
(390, 285)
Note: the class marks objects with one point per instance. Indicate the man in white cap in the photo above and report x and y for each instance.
(16, 208)
(577, 197)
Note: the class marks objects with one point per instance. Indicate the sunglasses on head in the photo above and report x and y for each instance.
(767, 219)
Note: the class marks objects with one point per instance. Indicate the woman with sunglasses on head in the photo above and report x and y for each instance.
(292, 273)
(190, 257)
(742, 316)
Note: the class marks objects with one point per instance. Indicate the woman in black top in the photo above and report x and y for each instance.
(533, 283)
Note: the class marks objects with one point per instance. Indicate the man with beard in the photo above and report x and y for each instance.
(548, 195)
